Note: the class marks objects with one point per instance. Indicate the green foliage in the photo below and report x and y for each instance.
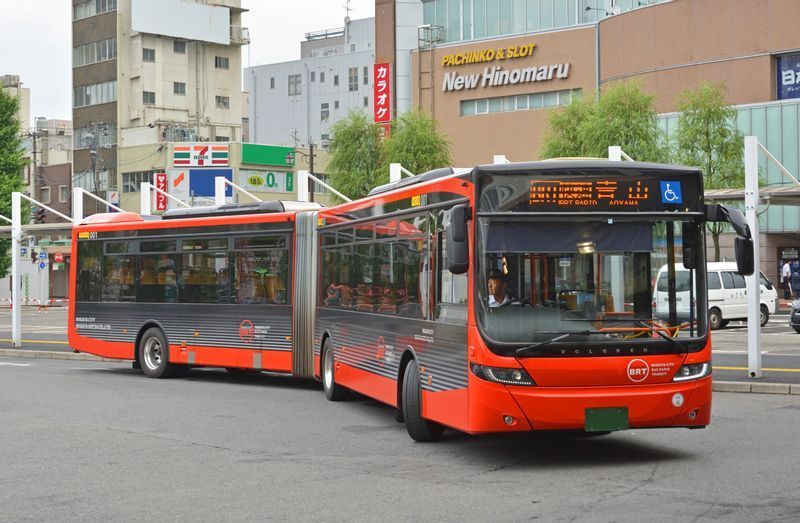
(356, 155)
(624, 115)
(707, 138)
(417, 144)
(12, 161)
(360, 157)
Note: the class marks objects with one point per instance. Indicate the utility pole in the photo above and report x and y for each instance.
(311, 168)
(92, 141)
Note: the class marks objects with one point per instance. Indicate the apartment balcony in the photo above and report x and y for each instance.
(240, 35)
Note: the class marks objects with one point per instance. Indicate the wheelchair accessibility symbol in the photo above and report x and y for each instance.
(671, 192)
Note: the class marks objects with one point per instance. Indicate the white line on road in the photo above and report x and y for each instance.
(16, 364)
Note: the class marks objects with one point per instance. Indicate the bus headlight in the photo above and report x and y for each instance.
(502, 375)
(693, 372)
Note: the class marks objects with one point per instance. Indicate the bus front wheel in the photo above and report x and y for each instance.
(418, 427)
(333, 391)
(154, 356)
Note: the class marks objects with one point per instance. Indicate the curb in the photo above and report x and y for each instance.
(757, 388)
(53, 355)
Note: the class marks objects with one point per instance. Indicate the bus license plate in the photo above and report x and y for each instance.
(606, 419)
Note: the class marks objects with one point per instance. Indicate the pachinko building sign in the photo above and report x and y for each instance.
(498, 75)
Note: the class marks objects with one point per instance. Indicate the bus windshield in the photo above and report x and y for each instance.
(593, 280)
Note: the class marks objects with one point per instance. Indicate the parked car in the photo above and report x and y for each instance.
(794, 317)
(727, 295)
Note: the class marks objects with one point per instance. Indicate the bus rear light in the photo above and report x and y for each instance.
(693, 372)
(502, 375)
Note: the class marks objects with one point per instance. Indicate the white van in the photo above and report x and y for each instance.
(727, 294)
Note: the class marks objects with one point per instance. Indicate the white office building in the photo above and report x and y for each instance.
(294, 103)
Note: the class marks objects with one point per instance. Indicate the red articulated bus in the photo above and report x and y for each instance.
(510, 297)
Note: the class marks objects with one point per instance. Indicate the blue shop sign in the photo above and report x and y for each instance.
(788, 76)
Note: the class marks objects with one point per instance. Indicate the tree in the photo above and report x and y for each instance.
(707, 138)
(356, 153)
(417, 144)
(623, 115)
(12, 161)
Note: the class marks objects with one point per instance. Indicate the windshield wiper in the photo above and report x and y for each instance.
(684, 349)
(542, 344)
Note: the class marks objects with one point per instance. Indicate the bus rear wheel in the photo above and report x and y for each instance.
(418, 427)
(333, 391)
(154, 356)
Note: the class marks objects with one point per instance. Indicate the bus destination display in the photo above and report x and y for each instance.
(605, 194)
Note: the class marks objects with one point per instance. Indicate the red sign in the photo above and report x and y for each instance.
(382, 93)
(161, 199)
(58, 257)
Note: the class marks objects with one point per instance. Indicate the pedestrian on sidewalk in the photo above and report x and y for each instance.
(796, 283)
(786, 275)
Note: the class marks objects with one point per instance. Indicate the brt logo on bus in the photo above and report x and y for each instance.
(638, 370)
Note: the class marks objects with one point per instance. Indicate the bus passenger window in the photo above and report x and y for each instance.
(118, 278)
(157, 278)
(204, 278)
(261, 276)
(88, 282)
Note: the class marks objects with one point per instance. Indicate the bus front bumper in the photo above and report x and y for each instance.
(516, 408)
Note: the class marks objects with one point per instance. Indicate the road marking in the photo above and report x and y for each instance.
(717, 367)
(16, 364)
(725, 351)
(52, 342)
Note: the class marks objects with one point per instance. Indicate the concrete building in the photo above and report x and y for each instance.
(12, 85)
(148, 72)
(296, 103)
(491, 71)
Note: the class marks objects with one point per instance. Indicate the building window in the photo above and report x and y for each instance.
(132, 181)
(44, 195)
(352, 77)
(89, 8)
(322, 77)
(219, 138)
(148, 97)
(324, 112)
(524, 102)
(366, 75)
(222, 62)
(324, 137)
(313, 75)
(83, 137)
(366, 101)
(148, 55)
(272, 83)
(179, 88)
(63, 193)
(295, 86)
(336, 104)
(336, 79)
(179, 46)
(94, 94)
(223, 102)
(94, 52)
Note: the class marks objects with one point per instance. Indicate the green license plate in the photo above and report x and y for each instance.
(606, 419)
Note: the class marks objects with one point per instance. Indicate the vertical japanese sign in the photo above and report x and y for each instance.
(382, 93)
(161, 199)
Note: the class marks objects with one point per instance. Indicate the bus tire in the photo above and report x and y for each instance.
(764, 315)
(154, 356)
(418, 427)
(714, 318)
(333, 391)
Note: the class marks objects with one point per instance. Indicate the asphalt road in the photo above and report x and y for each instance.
(780, 344)
(98, 441)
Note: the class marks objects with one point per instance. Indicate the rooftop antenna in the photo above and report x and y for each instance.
(347, 9)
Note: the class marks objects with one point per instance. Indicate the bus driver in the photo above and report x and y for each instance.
(497, 285)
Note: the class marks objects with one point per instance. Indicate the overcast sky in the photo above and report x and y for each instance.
(36, 41)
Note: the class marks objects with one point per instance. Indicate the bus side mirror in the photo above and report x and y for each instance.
(457, 246)
(744, 256)
(691, 245)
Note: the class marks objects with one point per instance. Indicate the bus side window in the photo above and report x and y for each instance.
(158, 278)
(89, 271)
(261, 276)
(451, 289)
